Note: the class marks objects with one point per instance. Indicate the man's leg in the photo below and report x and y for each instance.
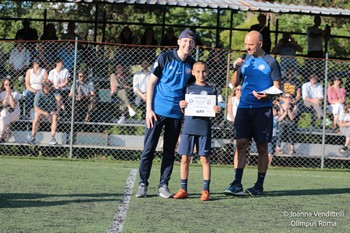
(53, 124)
(35, 126)
(150, 144)
(171, 135)
(240, 157)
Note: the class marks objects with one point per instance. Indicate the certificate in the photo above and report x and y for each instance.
(200, 105)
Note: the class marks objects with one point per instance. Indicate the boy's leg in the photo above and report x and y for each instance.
(205, 160)
(184, 171)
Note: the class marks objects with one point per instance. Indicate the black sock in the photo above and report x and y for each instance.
(260, 182)
(238, 176)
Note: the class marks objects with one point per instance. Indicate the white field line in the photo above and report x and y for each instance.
(118, 219)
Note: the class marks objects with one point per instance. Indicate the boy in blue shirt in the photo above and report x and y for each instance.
(196, 132)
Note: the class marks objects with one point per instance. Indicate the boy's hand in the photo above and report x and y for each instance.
(217, 109)
(183, 104)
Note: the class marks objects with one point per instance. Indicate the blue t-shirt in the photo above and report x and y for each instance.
(257, 74)
(194, 125)
(46, 102)
(173, 75)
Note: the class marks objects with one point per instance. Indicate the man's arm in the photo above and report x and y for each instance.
(149, 110)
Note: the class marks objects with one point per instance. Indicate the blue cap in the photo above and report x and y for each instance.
(187, 34)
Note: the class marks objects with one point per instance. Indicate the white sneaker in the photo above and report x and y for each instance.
(132, 112)
(328, 122)
(121, 120)
(53, 141)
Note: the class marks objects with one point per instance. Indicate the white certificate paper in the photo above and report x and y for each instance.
(200, 105)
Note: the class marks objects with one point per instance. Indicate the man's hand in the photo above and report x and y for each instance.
(149, 118)
(260, 96)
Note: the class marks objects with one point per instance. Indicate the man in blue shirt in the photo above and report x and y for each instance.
(257, 72)
(165, 89)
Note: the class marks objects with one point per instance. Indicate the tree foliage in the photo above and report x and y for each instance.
(141, 16)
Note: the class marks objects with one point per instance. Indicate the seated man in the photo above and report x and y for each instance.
(85, 98)
(45, 107)
(140, 81)
(312, 94)
(19, 59)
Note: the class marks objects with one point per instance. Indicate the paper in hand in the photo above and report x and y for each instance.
(271, 91)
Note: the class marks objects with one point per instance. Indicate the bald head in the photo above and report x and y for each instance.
(253, 42)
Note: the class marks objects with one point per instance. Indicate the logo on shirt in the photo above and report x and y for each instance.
(261, 67)
(188, 71)
(203, 93)
(155, 65)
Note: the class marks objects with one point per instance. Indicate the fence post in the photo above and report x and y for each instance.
(324, 110)
(73, 99)
(197, 53)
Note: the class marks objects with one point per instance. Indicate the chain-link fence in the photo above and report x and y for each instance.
(106, 118)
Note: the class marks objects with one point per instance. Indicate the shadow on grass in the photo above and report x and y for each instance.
(20, 200)
(307, 192)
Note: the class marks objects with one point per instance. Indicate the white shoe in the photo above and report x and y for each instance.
(132, 112)
(328, 122)
(121, 120)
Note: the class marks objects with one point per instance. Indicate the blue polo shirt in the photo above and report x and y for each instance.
(173, 75)
(257, 74)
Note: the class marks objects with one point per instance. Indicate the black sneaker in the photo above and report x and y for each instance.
(234, 189)
(343, 149)
(255, 191)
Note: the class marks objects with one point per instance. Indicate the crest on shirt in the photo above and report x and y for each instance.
(261, 67)
(188, 71)
(155, 65)
(203, 93)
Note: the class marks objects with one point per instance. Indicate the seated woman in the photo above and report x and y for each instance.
(119, 89)
(336, 98)
(10, 111)
(34, 77)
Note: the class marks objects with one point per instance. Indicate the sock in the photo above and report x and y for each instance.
(260, 181)
(206, 184)
(238, 176)
(184, 184)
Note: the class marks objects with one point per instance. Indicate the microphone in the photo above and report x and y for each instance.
(237, 66)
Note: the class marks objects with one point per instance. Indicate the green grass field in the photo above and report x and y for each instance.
(42, 195)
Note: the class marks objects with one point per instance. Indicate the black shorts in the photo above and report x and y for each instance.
(254, 123)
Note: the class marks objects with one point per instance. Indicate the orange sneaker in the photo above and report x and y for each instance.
(205, 195)
(181, 194)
